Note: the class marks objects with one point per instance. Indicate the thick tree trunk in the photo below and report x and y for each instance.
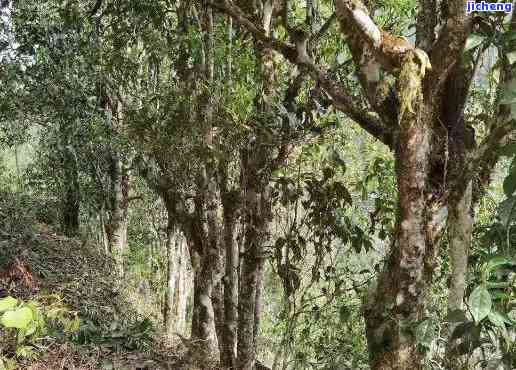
(246, 307)
(395, 308)
(203, 256)
(460, 227)
(203, 325)
(256, 218)
(256, 210)
(205, 231)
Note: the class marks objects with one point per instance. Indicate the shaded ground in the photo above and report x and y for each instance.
(35, 261)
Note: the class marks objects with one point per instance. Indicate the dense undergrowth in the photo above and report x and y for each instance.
(82, 314)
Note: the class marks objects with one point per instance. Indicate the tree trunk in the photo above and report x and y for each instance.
(170, 318)
(71, 203)
(203, 325)
(460, 225)
(229, 336)
(396, 307)
(256, 209)
(217, 300)
(204, 256)
(258, 305)
(118, 204)
(181, 295)
(207, 297)
(246, 307)
(256, 218)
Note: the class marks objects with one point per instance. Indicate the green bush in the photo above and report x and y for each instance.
(24, 326)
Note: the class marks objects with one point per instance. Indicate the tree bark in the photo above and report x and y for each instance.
(256, 210)
(460, 226)
(257, 215)
(181, 292)
(204, 328)
(229, 334)
(71, 201)
(396, 306)
(258, 305)
(170, 318)
(118, 207)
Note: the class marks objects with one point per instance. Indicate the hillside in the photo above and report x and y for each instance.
(37, 263)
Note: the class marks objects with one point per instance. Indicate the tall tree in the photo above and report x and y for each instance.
(422, 127)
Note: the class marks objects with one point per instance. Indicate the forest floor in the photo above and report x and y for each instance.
(36, 262)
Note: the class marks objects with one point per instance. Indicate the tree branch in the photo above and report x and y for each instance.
(360, 29)
(426, 23)
(341, 99)
(324, 28)
(450, 42)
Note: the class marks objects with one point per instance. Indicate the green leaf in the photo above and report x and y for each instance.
(19, 318)
(507, 210)
(496, 318)
(509, 184)
(509, 94)
(8, 303)
(24, 351)
(511, 57)
(497, 261)
(426, 332)
(473, 41)
(456, 316)
(7, 364)
(508, 150)
(72, 326)
(480, 303)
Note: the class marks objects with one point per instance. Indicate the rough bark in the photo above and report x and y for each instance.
(209, 273)
(460, 227)
(229, 336)
(258, 304)
(169, 314)
(420, 141)
(256, 211)
(256, 217)
(203, 260)
(117, 211)
(181, 291)
(401, 286)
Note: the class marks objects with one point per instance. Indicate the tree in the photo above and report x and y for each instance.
(425, 130)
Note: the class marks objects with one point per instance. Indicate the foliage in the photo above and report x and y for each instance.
(24, 326)
(127, 82)
(121, 335)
